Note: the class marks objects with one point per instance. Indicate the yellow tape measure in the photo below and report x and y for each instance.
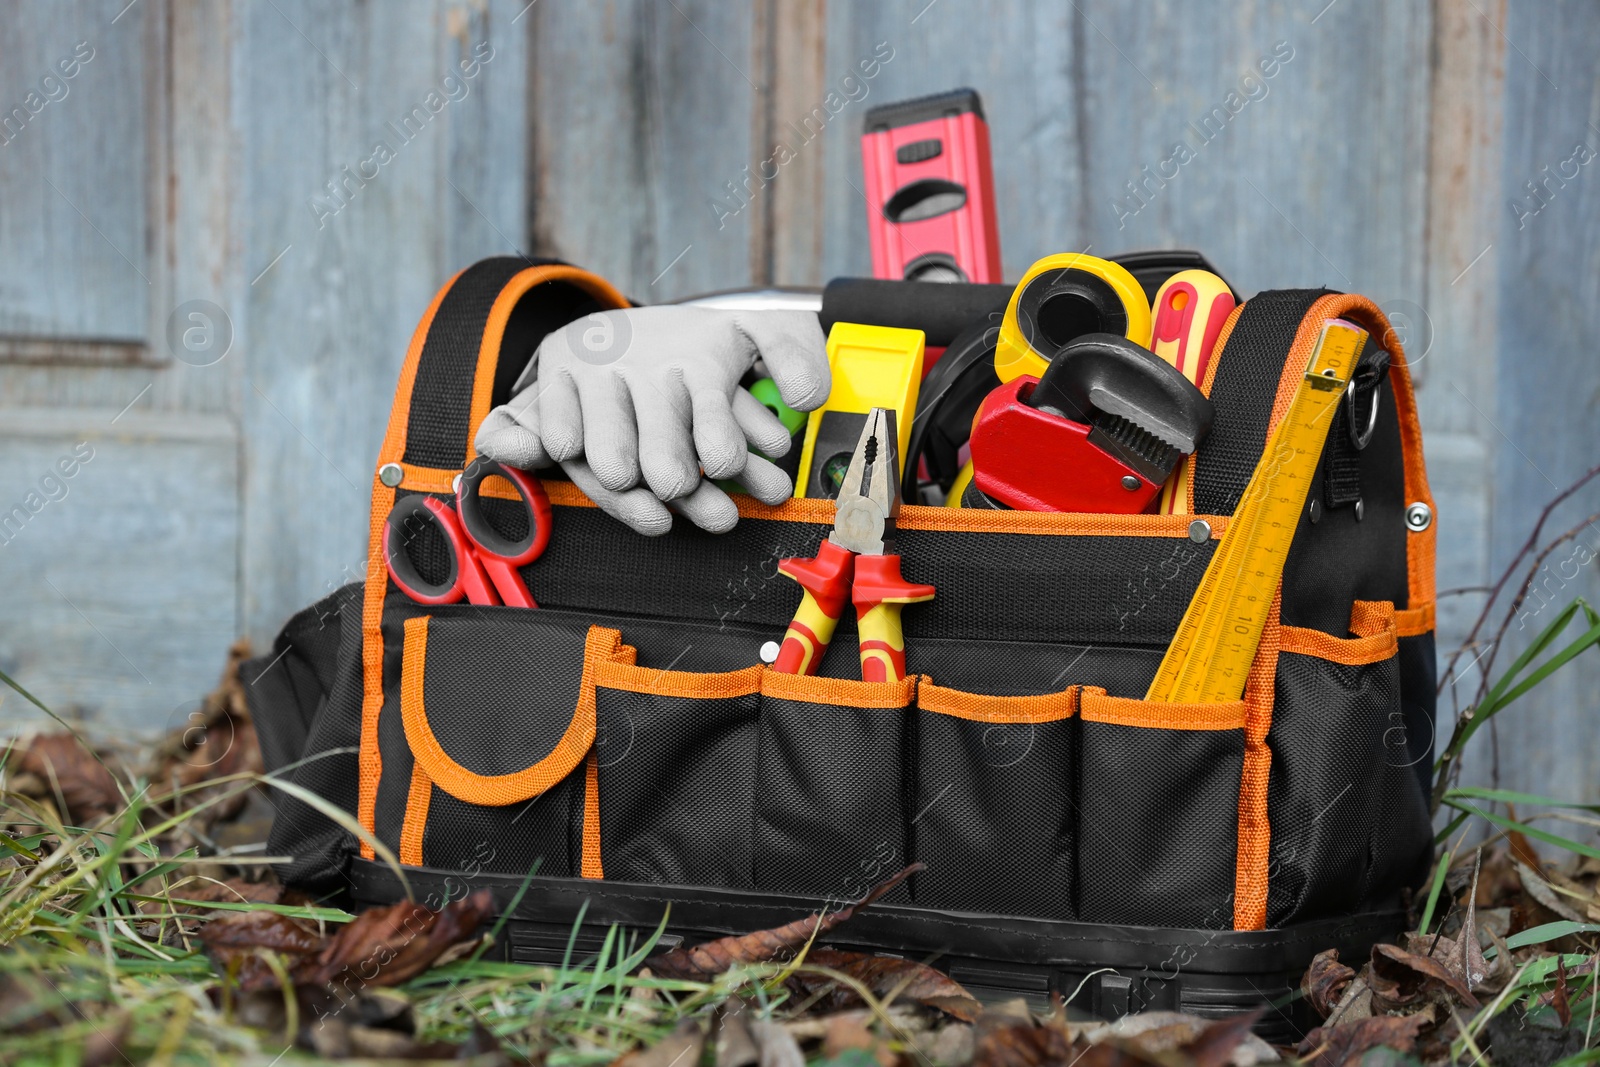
(1210, 655)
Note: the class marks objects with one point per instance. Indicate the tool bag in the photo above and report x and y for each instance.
(624, 742)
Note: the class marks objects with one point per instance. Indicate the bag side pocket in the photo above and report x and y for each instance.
(994, 809)
(1158, 811)
(830, 792)
(1350, 823)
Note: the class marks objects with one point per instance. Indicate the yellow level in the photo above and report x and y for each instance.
(1210, 655)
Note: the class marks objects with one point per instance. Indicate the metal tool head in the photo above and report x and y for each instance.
(869, 496)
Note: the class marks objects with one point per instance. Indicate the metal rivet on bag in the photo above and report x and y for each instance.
(391, 475)
(1199, 531)
(1361, 510)
(1129, 482)
(769, 652)
(1419, 517)
(1316, 511)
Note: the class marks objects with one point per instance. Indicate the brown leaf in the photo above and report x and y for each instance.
(1346, 1043)
(1463, 957)
(1325, 981)
(1168, 1037)
(704, 962)
(87, 787)
(1214, 1046)
(1558, 998)
(1399, 978)
(777, 1046)
(388, 945)
(1541, 893)
(849, 1030)
(236, 941)
(913, 981)
(1022, 1044)
(681, 1048)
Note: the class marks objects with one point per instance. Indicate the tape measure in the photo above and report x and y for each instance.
(1210, 655)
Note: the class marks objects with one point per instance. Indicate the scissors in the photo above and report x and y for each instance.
(857, 562)
(483, 562)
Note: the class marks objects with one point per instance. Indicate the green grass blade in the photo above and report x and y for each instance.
(1510, 796)
(1531, 831)
(1538, 935)
(1435, 890)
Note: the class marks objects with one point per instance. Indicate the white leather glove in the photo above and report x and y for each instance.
(634, 404)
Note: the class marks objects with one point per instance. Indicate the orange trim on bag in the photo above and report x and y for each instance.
(495, 790)
(1369, 617)
(1374, 648)
(656, 682)
(1414, 622)
(1252, 870)
(1047, 707)
(591, 865)
(417, 800)
(1095, 706)
(848, 692)
(1373, 623)
(494, 329)
(952, 520)
(369, 759)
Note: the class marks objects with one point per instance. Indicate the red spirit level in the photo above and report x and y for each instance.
(930, 190)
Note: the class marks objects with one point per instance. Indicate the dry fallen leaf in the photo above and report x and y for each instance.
(1346, 1043)
(704, 962)
(236, 941)
(883, 975)
(1400, 978)
(1325, 981)
(681, 1048)
(386, 946)
(62, 762)
(1007, 1042)
(1558, 996)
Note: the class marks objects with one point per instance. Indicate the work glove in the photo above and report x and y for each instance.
(643, 409)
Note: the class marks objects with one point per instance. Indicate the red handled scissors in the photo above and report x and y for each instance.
(483, 562)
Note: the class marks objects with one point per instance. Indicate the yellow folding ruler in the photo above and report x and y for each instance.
(1210, 655)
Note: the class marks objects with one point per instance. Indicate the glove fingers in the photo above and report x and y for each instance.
(666, 448)
(610, 439)
(560, 416)
(761, 427)
(795, 352)
(507, 440)
(634, 508)
(717, 436)
(765, 481)
(708, 508)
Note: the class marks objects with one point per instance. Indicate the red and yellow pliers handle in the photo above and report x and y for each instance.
(875, 585)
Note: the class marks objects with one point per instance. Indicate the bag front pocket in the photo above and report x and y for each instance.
(830, 788)
(995, 802)
(675, 758)
(496, 715)
(1158, 812)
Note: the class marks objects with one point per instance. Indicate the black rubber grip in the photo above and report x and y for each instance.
(939, 309)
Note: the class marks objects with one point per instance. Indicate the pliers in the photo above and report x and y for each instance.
(857, 562)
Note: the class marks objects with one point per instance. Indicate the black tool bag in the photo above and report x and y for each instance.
(624, 740)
